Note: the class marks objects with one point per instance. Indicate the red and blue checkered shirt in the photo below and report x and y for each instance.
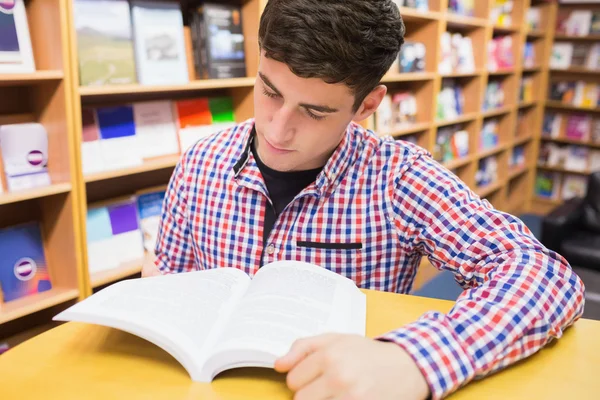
(394, 204)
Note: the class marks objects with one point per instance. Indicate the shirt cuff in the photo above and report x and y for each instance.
(436, 350)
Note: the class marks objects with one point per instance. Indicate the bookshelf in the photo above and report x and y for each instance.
(45, 96)
(57, 100)
(556, 14)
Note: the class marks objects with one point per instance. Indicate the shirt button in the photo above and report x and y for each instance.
(270, 249)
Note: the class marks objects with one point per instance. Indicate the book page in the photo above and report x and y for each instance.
(182, 313)
(286, 301)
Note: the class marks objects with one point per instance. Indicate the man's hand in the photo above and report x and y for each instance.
(149, 268)
(348, 367)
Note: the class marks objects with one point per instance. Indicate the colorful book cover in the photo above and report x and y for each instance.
(24, 149)
(118, 140)
(547, 184)
(573, 186)
(16, 54)
(159, 43)
(104, 42)
(149, 203)
(23, 267)
(578, 127)
(91, 151)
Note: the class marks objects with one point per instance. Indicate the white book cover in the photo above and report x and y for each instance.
(159, 43)
(190, 135)
(155, 128)
(595, 160)
(16, 54)
(580, 23)
(573, 186)
(24, 149)
(91, 152)
(562, 54)
(221, 318)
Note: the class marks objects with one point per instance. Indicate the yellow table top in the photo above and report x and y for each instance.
(77, 361)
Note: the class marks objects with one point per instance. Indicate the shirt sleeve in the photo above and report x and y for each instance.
(519, 295)
(174, 244)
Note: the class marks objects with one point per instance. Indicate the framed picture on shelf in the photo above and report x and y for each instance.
(16, 54)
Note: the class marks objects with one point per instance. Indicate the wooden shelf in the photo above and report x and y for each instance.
(515, 172)
(40, 301)
(414, 128)
(525, 104)
(500, 72)
(535, 68)
(116, 90)
(412, 14)
(460, 119)
(536, 33)
(562, 106)
(490, 152)
(548, 201)
(562, 170)
(461, 21)
(571, 141)
(505, 29)
(113, 275)
(520, 140)
(459, 162)
(497, 111)
(34, 77)
(477, 72)
(484, 191)
(22, 195)
(147, 166)
(576, 70)
(589, 38)
(407, 77)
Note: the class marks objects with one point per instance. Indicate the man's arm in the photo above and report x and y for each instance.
(519, 294)
(174, 244)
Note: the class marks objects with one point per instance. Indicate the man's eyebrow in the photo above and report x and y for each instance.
(269, 84)
(319, 108)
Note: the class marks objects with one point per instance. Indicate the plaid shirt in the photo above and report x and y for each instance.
(374, 211)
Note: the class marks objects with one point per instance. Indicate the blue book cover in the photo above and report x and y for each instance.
(23, 268)
(116, 122)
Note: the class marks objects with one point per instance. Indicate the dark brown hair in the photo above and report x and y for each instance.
(353, 42)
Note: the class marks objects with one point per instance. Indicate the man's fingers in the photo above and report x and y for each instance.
(306, 371)
(316, 390)
(301, 349)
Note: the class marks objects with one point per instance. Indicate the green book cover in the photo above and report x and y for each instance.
(104, 42)
(221, 109)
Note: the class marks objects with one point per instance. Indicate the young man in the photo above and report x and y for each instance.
(302, 181)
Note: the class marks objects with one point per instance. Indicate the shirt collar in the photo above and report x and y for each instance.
(333, 171)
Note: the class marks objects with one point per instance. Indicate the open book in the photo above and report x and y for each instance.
(219, 319)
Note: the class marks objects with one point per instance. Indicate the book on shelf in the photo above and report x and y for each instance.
(573, 186)
(547, 185)
(217, 319)
(16, 53)
(450, 100)
(574, 22)
(494, 95)
(562, 54)
(149, 204)
(487, 171)
(579, 94)
(421, 5)
(578, 127)
(23, 266)
(218, 41)
(595, 25)
(551, 126)
(517, 159)
(526, 89)
(412, 57)
(534, 18)
(489, 137)
(118, 141)
(24, 149)
(452, 143)
(113, 234)
(500, 53)
(594, 163)
(501, 12)
(529, 55)
(160, 55)
(104, 42)
(456, 54)
(155, 129)
(462, 7)
(595, 131)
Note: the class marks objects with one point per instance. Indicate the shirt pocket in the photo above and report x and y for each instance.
(343, 257)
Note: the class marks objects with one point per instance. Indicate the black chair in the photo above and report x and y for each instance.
(573, 228)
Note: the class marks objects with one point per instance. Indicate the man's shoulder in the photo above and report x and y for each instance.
(220, 149)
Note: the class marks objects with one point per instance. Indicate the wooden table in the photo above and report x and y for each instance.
(80, 361)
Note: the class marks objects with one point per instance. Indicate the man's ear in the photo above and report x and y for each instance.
(370, 103)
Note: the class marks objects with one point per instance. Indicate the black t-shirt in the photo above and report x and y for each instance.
(282, 187)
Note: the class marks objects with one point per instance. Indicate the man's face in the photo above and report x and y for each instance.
(299, 122)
